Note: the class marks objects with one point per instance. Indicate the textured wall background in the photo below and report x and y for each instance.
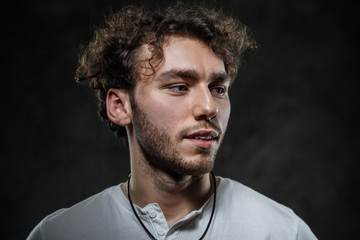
(293, 135)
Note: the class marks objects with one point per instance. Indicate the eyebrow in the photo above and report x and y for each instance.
(178, 73)
(191, 74)
(220, 77)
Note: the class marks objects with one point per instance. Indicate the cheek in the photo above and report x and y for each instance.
(163, 112)
(225, 114)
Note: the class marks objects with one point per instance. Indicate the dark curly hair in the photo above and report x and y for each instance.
(110, 60)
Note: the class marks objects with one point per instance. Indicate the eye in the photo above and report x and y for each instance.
(219, 90)
(178, 88)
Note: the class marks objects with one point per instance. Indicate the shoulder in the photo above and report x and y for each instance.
(252, 204)
(256, 214)
(239, 195)
(82, 219)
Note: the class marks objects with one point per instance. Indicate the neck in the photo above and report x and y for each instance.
(177, 195)
(175, 198)
(184, 197)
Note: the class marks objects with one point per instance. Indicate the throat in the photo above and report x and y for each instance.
(175, 205)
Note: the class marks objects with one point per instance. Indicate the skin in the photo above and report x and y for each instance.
(186, 98)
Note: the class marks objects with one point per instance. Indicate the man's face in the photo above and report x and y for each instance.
(181, 112)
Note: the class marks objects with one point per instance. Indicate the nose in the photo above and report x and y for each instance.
(204, 106)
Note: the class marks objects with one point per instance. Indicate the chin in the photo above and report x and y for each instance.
(195, 167)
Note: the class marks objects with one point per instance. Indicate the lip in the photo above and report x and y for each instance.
(203, 143)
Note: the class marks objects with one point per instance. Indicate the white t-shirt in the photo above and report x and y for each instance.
(240, 213)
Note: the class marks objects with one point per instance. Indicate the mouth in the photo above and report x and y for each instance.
(203, 138)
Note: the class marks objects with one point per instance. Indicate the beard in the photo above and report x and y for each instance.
(163, 153)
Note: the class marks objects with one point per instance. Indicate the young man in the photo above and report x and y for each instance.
(162, 80)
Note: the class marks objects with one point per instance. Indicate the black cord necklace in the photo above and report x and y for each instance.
(147, 231)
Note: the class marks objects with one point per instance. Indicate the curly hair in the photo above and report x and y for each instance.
(110, 59)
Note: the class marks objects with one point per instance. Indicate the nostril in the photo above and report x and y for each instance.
(208, 114)
(212, 116)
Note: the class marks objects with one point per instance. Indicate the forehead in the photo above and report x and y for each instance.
(179, 53)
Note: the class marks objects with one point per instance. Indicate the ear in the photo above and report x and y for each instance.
(118, 106)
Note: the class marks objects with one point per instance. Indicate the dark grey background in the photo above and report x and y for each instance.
(293, 135)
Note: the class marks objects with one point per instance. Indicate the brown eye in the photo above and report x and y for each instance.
(178, 88)
(219, 90)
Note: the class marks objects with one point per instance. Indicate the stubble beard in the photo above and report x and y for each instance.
(162, 153)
